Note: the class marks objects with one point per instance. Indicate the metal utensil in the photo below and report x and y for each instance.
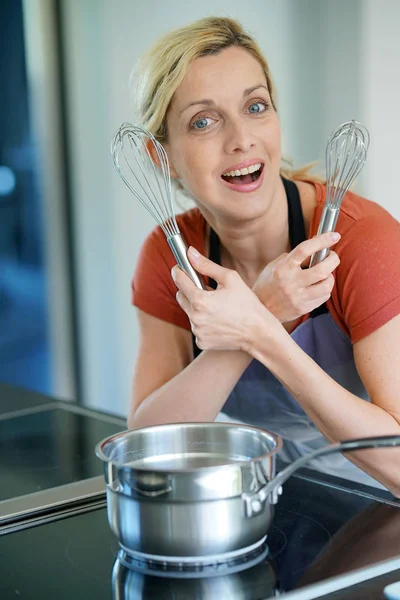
(151, 185)
(176, 490)
(185, 490)
(345, 156)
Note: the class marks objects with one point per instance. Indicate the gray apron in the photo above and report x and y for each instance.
(259, 399)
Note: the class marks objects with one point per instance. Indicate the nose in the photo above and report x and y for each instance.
(239, 138)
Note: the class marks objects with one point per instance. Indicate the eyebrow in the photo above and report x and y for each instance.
(208, 102)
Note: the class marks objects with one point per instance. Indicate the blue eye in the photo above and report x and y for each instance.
(257, 107)
(200, 124)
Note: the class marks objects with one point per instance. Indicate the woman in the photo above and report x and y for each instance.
(283, 347)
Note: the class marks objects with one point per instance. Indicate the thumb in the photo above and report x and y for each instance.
(205, 266)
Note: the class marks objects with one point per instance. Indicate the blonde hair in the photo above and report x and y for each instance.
(162, 69)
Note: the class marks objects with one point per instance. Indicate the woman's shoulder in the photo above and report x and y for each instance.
(155, 250)
(156, 294)
(357, 216)
(191, 225)
(367, 290)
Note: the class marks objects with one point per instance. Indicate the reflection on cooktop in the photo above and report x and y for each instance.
(317, 532)
(49, 448)
(255, 582)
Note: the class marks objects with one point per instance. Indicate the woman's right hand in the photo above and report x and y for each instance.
(290, 291)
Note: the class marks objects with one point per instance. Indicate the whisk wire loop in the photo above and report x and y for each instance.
(345, 156)
(142, 163)
(150, 184)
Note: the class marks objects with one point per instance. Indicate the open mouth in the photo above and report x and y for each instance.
(243, 176)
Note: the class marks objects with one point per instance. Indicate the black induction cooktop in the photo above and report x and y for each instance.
(47, 457)
(319, 531)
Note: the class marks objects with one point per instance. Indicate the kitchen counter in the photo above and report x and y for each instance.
(14, 399)
(47, 454)
(324, 542)
(330, 538)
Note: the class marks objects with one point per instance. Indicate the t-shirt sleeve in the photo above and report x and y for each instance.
(153, 289)
(368, 277)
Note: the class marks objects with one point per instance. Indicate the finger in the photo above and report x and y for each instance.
(183, 302)
(205, 266)
(321, 290)
(322, 270)
(317, 294)
(306, 249)
(184, 283)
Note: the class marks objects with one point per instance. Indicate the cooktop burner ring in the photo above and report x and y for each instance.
(195, 566)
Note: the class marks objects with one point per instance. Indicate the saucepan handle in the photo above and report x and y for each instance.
(253, 503)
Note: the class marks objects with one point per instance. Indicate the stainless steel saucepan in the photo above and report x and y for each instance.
(180, 491)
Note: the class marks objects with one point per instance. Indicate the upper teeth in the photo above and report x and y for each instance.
(244, 171)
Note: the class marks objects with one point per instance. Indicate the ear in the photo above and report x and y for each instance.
(154, 157)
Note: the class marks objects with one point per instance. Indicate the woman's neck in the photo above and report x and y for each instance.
(255, 247)
(247, 247)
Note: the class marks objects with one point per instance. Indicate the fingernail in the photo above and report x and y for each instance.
(194, 252)
(335, 236)
(173, 273)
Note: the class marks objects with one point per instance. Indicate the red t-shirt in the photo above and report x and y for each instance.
(367, 290)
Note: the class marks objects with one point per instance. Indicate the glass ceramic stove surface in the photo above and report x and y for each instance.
(47, 457)
(318, 531)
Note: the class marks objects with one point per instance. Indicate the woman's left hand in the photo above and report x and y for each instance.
(227, 318)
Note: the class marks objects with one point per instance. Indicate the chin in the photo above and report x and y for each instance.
(244, 209)
(231, 205)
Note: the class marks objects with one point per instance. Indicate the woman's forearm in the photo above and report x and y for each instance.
(335, 411)
(197, 393)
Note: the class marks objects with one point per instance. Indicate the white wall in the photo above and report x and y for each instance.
(321, 53)
(380, 92)
(96, 216)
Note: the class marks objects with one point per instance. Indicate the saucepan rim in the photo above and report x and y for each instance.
(99, 448)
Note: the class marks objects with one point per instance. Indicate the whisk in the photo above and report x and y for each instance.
(345, 156)
(151, 185)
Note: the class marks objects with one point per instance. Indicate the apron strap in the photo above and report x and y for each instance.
(214, 254)
(297, 234)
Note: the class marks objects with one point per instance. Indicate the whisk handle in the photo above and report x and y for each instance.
(327, 223)
(179, 249)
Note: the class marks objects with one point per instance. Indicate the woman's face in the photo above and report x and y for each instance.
(224, 135)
